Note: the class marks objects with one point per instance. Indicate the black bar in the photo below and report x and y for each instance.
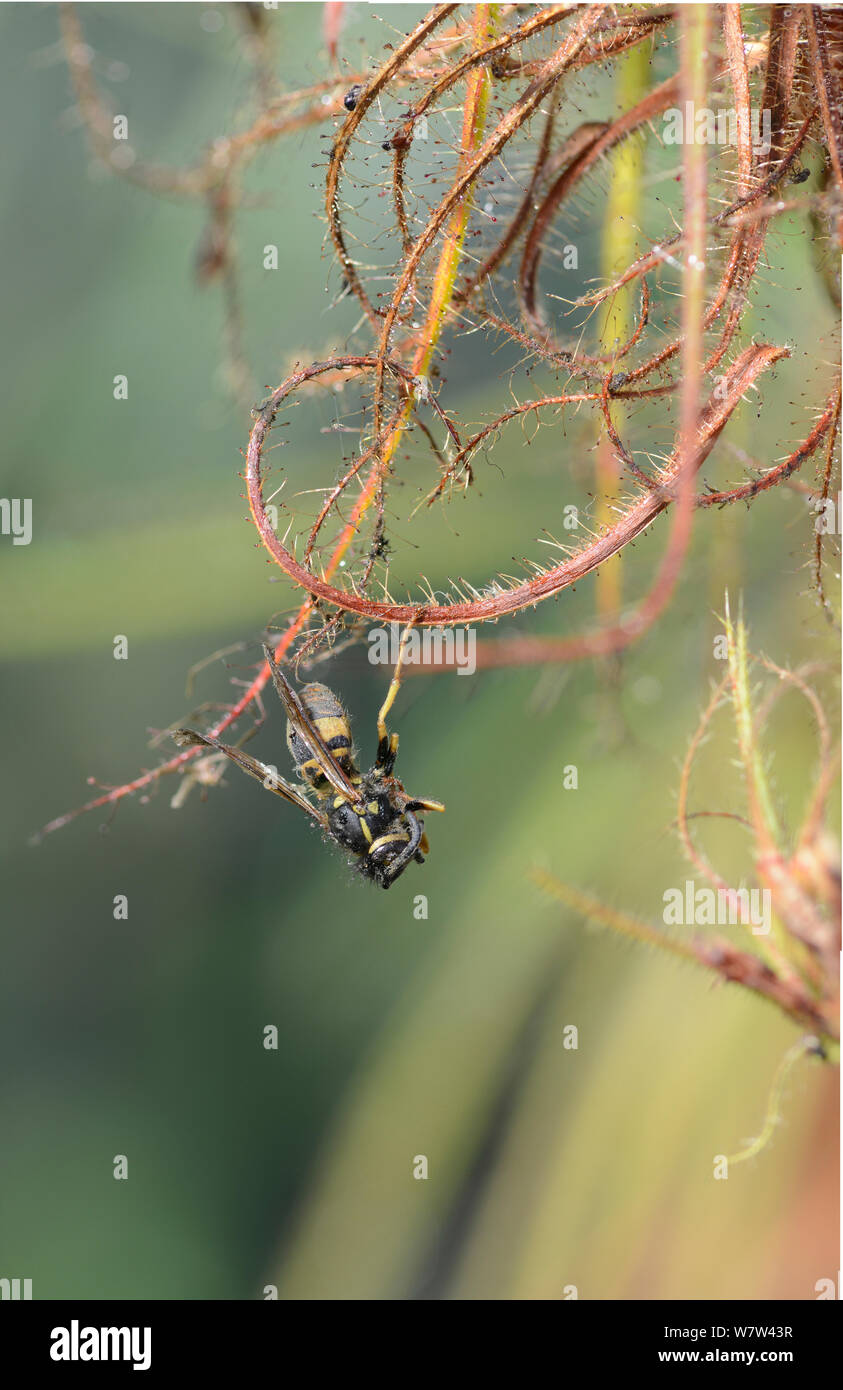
(55, 1338)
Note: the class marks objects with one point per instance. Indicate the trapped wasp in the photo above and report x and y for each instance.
(369, 815)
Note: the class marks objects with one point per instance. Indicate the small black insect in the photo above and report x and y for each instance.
(368, 814)
(349, 101)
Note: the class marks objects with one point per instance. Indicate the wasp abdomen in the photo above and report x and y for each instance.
(331, 722)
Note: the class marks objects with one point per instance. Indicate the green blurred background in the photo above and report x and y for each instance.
(397, 1037)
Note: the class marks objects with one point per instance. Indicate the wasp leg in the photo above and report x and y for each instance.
(386, 755)
(418, 803)
(388, 743)
(399, 864)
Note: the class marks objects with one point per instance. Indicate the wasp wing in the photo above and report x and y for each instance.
(261, 771)
(304, 726)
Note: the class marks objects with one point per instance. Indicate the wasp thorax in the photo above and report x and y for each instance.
(360, 830)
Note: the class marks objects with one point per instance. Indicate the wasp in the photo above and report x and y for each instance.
(369, 815)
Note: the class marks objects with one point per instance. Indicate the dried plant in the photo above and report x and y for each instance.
(794, 960)
(474, 215)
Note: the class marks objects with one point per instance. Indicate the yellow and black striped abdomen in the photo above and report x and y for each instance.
(331, 721)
